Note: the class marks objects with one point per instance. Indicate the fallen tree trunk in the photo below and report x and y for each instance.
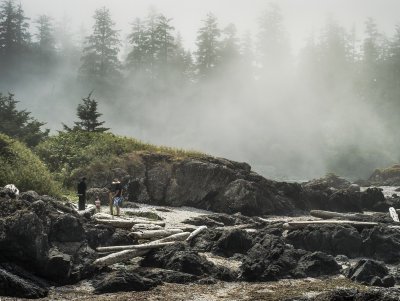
(331, 214)
(174, 237)
(135, 247)
(154, 233)
(196, 232)
(90, 211)
(138, 227)
(128, 223)
(303, 224)
(119, 256)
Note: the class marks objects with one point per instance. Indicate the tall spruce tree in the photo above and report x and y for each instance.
(100, 56)
(19, 124)
(88, 117)
(208, 46)
(45, 39)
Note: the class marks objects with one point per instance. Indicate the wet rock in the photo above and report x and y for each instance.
(329, 181)
(366, 271)
(15, 286)
(58, 266)
(98, 234)
(270, 260)
(180, 258)
(30, 196)
(122, 281)
(233, 241)
(340, 294)
(373, 199)
(344, 201)
(67, 227)
(381, 243)
(316, 264)
(331, 239)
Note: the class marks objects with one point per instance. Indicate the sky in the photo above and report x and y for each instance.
(301, 16)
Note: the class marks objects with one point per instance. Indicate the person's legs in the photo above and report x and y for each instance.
(111, 204)
(118, 211)
(81, 204)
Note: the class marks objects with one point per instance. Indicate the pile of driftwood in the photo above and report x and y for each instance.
(331, 218)
(154, 232)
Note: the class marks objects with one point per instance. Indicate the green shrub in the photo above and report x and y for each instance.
(19, 166)
(70, 153)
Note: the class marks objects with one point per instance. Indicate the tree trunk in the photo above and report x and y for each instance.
(139, 227)
(196, 232)
(154, 233)
(127, 223)
(118, 257)
(135, 247)
(303, 224)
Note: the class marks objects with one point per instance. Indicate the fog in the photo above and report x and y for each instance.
(296, 96)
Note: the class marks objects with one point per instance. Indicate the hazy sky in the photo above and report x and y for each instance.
(301, 16)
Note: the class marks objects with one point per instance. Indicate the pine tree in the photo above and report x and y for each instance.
(45, 39)
(19, 124)
(100, 56)
(208, 46)
(88, 116)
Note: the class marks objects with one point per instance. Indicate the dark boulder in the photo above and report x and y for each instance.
(181, 258)
(30, 196)
(67, 227)
(15, 286)
(122, 281)
(233, 241)
(367, 271)
(344, 201)
(169, 276)
(316, 264)
(331, 239)
(381, 243)
(270, 260)
(58, 266)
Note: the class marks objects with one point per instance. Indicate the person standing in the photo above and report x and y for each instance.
(115, 196)
(82, 194)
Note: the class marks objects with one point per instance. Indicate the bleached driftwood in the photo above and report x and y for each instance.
(126, 223)
(119, 256)
(331, 214)
(138, 227)
(135, 247)
(303, 224)
(91, 210)
(196, 232)
(174, 237)
(154, 233)
(394, 215)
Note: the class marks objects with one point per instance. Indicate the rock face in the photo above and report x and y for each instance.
(221, 185)
(371, 272)
(44, 237)
(386, 176)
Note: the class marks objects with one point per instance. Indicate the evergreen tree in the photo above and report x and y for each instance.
(19, 124)
(14, 36)
(208, 46)
(45, 39)
(272, 46)
(88, 116)
(229, 51)
(100, 56)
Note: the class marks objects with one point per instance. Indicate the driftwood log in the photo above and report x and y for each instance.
(126, 223)
(138, 227)
(303, 224)
(331, 214)
(119, 256)
(174, 237)
(150, 234)
(135, 247)
(196, 232)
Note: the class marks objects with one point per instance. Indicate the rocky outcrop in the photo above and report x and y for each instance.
(386, 176)
(221, 185)
(371, 272)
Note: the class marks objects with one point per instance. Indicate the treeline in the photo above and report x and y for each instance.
(327, 106)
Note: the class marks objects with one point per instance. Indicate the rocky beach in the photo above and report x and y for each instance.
(252, 247)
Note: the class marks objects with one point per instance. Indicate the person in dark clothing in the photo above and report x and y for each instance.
(82, 194)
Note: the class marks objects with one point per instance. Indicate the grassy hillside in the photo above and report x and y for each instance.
(19, 166)
(66, 154)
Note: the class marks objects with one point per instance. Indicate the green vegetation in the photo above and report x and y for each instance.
(386, 173)
(66, 154)
(24, 169)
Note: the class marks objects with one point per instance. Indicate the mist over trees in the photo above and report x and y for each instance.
(331, 107)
